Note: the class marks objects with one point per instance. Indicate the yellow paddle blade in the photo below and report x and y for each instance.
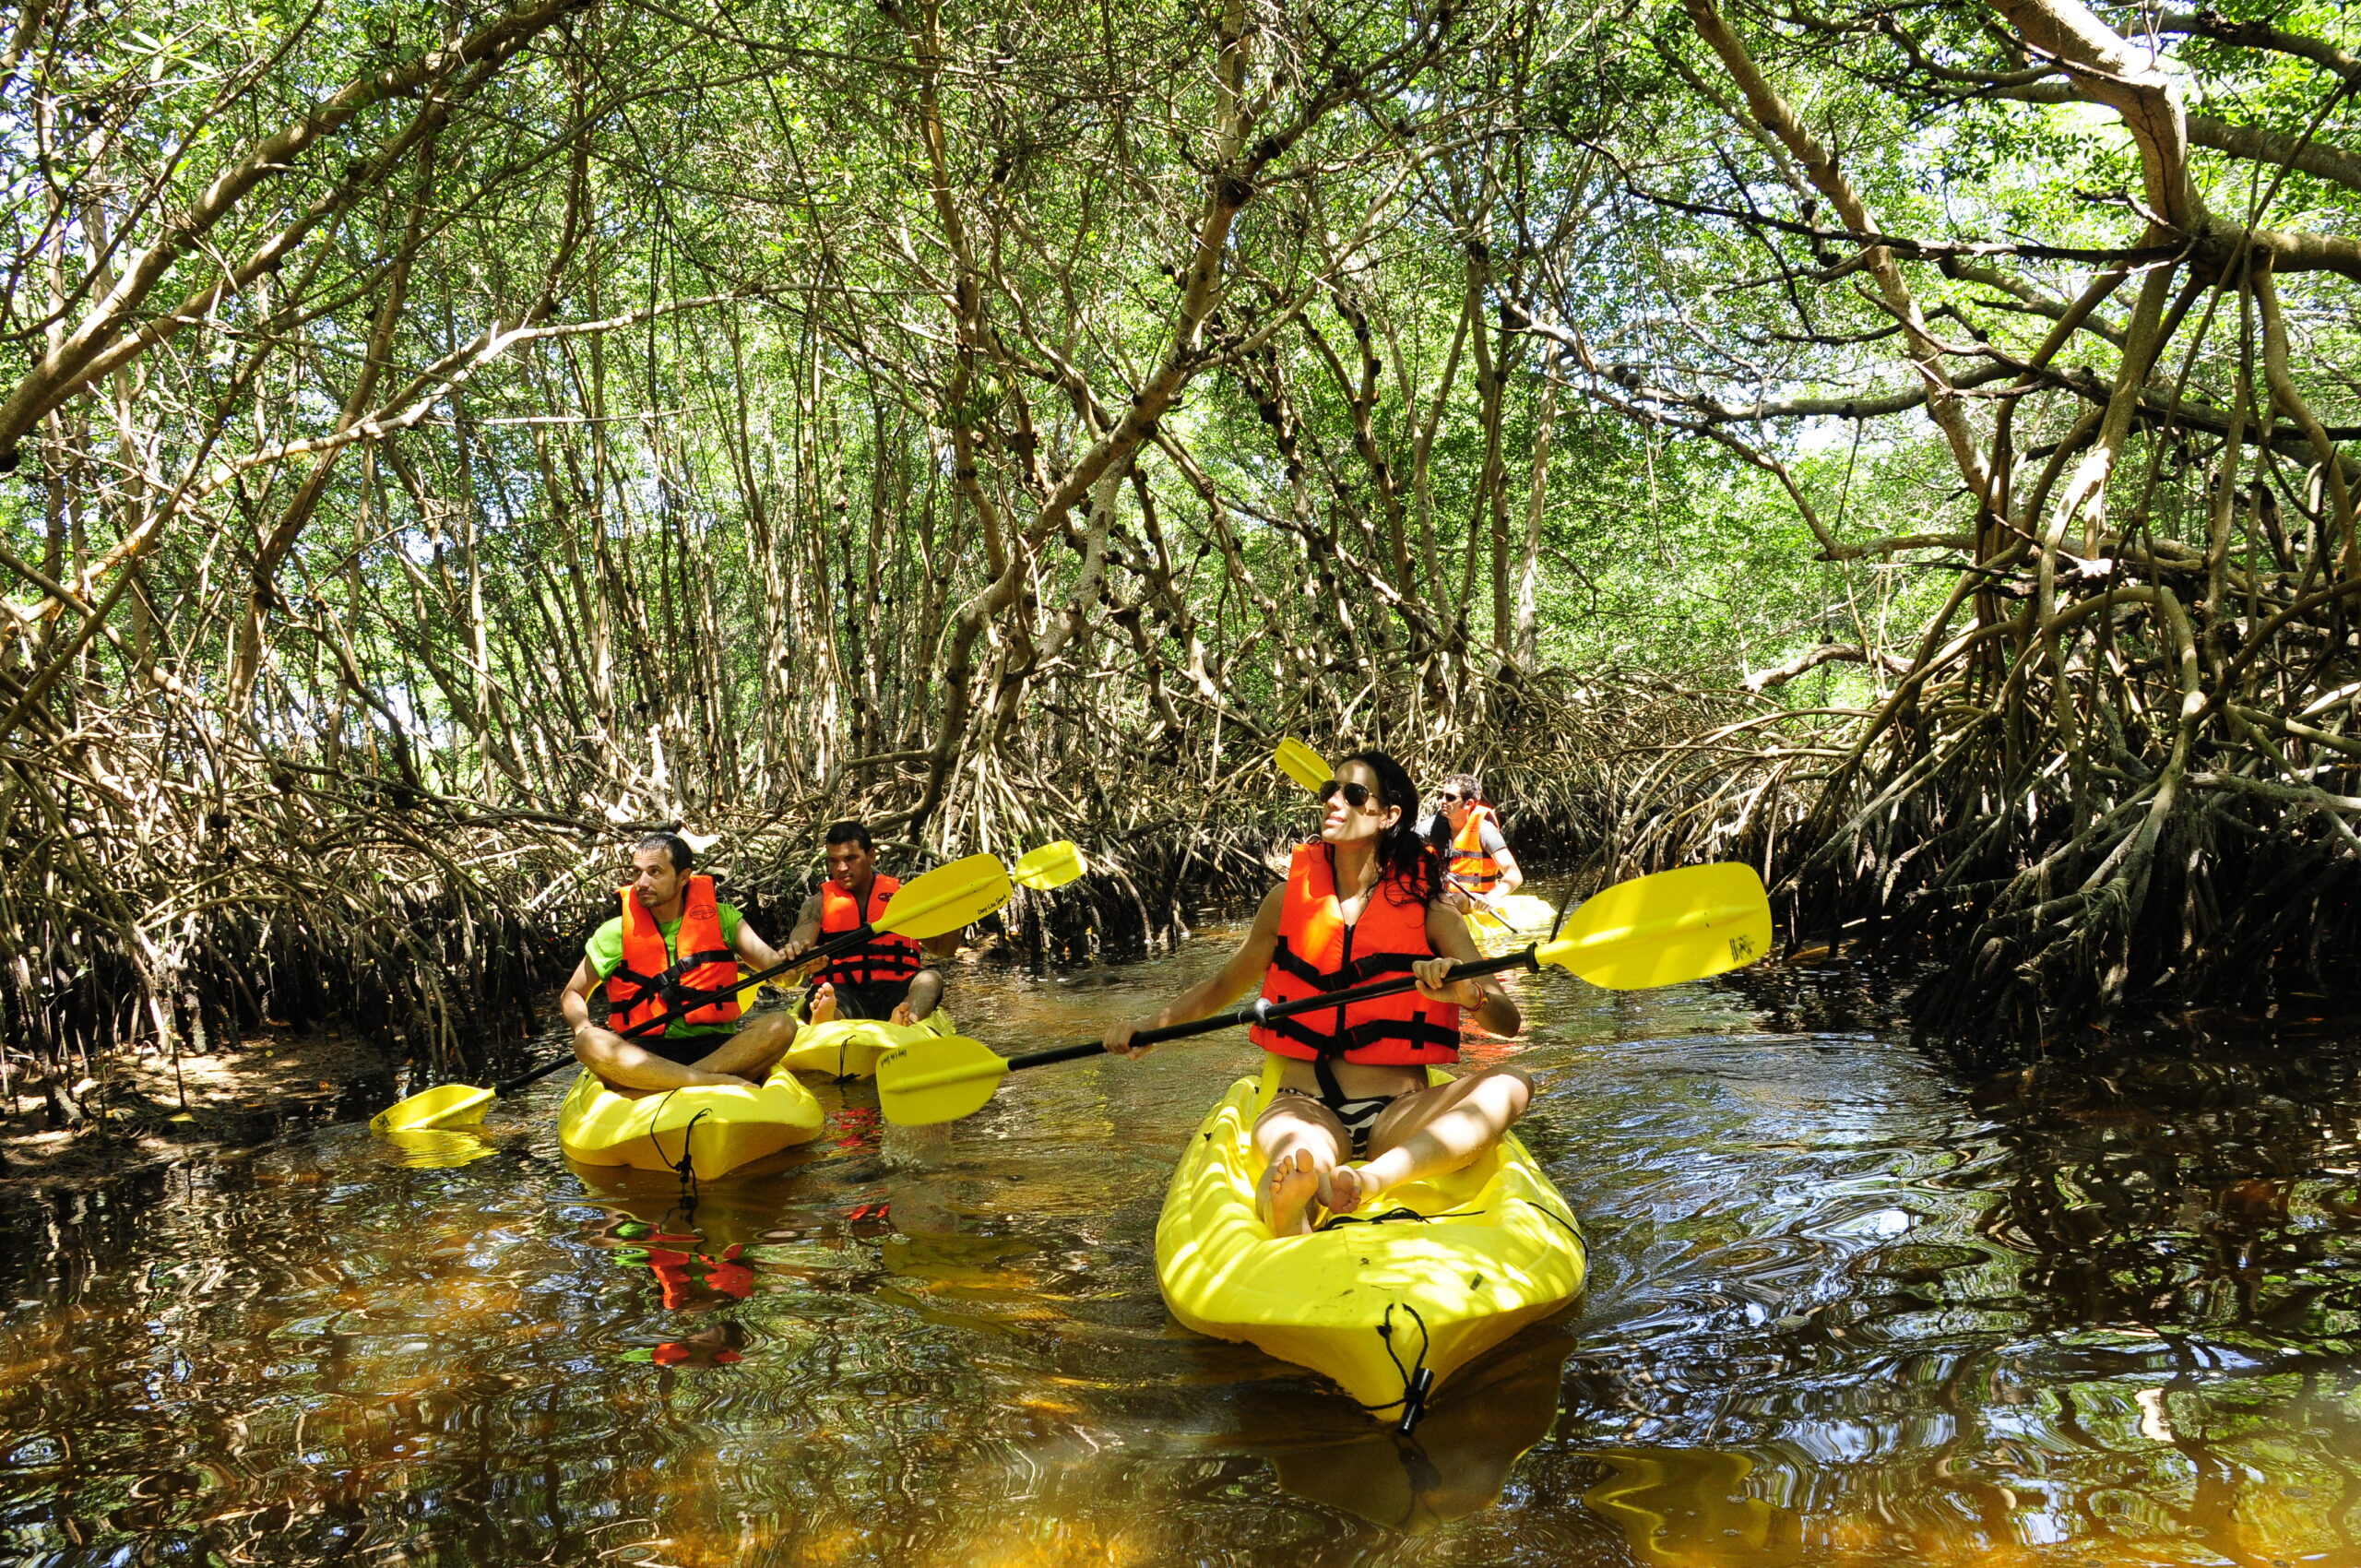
(1662, 930)
(1051, 865)
(445, 1105)
(1302, 764)
(946, 898)
(937, 1080)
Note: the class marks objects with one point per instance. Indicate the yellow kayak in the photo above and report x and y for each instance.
(1387, 1305)
(704, 1133)
(848, 1048)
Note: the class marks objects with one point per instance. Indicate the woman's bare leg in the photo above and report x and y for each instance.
(1302, 1143)
(1433, 1131)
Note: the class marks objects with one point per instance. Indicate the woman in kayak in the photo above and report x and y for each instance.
(1362, 902)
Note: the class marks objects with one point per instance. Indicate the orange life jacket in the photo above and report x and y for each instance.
(1472, 866)
(884, 959)
(651, 979)
(1319, 953)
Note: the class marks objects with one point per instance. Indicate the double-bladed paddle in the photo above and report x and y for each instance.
(1660, 930)
(936, 904)
(941, 901)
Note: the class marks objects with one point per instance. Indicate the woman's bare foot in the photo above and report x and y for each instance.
(824, 1006)
(1346, 1190)
(1289, 1188)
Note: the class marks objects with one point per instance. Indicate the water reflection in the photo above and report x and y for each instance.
(1691, 1507)
(1454, 1465)
(1846, 1307)
(437, 1148)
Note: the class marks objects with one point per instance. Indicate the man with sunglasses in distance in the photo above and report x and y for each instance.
(1467, 832)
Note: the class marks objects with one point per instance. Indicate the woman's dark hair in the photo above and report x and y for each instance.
(1405, 859)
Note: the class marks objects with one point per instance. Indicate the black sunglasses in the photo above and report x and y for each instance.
(1355, 795)
(1450, 799)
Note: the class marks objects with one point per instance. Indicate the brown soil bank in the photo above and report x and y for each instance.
(146, 1109)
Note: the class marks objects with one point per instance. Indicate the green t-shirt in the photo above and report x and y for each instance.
(605, 951)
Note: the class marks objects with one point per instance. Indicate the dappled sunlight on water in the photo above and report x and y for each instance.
(1845, 1308)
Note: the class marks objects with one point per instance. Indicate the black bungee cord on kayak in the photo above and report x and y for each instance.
(1391, 1214)
(684, 1167)
(1417, 1378)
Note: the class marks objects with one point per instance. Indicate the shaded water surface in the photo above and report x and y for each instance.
(1845, 1308)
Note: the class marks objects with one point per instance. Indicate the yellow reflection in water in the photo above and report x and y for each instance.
(1689, 1507)
(1454, 1466)
(437, 1148)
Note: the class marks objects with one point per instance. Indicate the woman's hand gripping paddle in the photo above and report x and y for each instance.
(1661, 930)
(940, 902)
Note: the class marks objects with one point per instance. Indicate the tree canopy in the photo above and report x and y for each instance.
(1900, 443)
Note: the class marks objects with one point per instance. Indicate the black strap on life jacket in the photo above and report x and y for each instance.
(874, 963)
(667, 987)
(1415, 1032)
(1351, 972)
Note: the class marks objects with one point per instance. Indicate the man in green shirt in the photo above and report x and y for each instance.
(684, 1054)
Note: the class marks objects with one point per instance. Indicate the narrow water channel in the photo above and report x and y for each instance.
(1845, 1307)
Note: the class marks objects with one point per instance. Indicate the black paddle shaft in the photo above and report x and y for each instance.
(821, 954)
(835, 947)
(1261, 1011)
(535, 1076)
(647, 1025)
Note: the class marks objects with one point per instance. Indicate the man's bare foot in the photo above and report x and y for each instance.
(1289, 1188)
(824, 1006)
(903, 1017)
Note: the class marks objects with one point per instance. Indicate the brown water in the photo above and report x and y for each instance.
(1845, 1308)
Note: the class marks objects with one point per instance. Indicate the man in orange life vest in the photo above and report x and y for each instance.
(1482, 869)
(888, 978)
(674, 936)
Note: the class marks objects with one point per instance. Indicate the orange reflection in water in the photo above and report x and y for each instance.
(1847, 1307)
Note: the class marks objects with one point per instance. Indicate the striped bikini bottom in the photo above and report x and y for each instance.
(1359, 1116)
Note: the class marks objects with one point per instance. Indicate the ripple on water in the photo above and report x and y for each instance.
(1845, 1307)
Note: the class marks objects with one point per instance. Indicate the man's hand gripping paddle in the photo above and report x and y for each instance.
(1661, 930)
(940, 902)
